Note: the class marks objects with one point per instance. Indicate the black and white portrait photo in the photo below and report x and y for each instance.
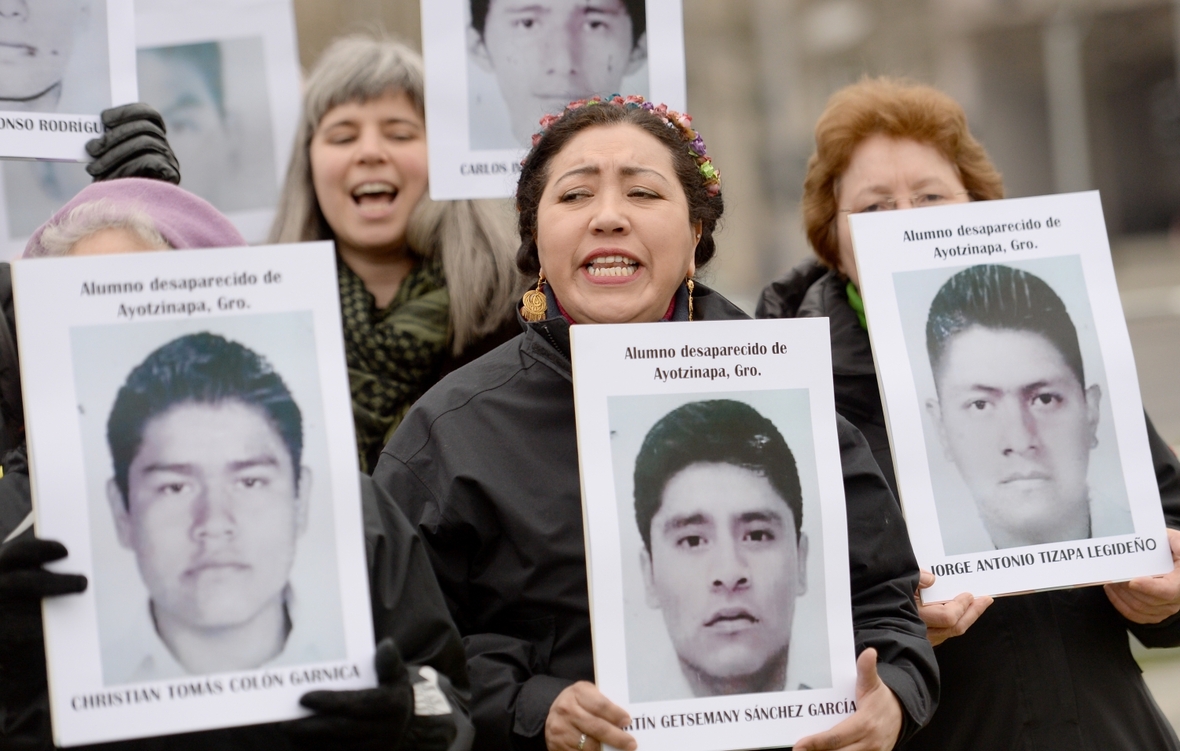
(721, 544)
(204, 451)
(215, 101)
(1017, 420)
(529, 58)
(53, 56)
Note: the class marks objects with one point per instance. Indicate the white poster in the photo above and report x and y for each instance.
(495, 67)
(224, 74)
(1010, 390)
(191, 443)
(716, 530)
(62, 62)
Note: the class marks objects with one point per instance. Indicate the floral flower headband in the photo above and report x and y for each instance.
(673, 119)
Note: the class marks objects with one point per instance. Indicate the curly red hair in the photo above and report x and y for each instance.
(895, 108)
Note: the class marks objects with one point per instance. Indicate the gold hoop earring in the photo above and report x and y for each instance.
(690, 284)
(534, 306)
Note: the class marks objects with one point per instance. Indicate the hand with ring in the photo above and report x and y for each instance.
(582, 719)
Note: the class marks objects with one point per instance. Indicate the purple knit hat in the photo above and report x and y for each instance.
(183, 219)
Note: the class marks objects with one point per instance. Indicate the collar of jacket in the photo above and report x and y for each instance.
(549, 340)
(851, 352)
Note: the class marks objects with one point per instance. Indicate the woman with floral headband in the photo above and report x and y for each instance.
(618, 201)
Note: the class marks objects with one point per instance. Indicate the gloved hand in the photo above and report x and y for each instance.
(368, 718)
(22, 577)
(134, 145)
(23, 582)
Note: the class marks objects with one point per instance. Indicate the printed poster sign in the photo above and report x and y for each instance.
(224, 75)
(1009, 385)
(716, 530)
(494, 68)
(62, 62)
(191, 444)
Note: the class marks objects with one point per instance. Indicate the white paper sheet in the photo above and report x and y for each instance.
(725, 581)
(63, 63)
(486, 92)
(1021, 459)
(183, 531)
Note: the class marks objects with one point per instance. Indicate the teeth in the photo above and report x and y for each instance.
(367, 189)
(613, 270)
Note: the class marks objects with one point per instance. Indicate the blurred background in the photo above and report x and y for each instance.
(1066, 95)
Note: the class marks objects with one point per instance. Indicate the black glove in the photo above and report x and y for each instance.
(371, 718)
(134, 145)
(21, 577)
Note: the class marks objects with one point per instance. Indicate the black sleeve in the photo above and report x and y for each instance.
(884, 578)
(407, 602)
(1167, 475)
(511, 695)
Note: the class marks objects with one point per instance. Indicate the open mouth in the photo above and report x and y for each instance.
(615, 265)
(374, 194)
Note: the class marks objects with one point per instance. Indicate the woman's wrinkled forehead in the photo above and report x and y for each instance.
(624, 148)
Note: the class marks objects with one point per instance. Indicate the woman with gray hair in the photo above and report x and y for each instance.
(424, 286)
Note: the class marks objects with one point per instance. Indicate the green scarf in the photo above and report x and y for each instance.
(857, 304)
(393, 354)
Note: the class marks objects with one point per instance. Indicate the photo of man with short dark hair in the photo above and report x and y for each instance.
(719, 507)
(547, 53)
(38, 41)
(1013, 409)
(210, 493)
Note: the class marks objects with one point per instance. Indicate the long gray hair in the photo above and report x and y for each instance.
(476, 240)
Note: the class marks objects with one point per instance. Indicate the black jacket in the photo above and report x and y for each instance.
(486, 465)
(1043, 671)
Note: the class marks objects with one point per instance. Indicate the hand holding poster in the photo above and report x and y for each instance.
(190, 443)
(717, 547)
(62, 62)
(495, 67)
(1011, 395)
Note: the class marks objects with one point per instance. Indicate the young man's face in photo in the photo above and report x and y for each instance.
(547, 53)
(1019, 426)
(196, 130)
(213, 513)
(36, 39)
(725, 569)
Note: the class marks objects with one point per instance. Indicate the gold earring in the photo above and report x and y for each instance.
(533, 304)
(690, 288)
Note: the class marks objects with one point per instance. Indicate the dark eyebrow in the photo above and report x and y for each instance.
(680, 522)
(633, 171)
(771, 517)
(589, 169)
(179, 468)
(259, 461)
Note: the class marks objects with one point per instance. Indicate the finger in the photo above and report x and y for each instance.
(129, 150)
(31, 553)
(595, 703)
(1135, 610)
(1156, 588)
(946, 614)
(116, 116)
(368, 703)
(842, 736)
(388, 662)
(149, 166)
(122, 134)
(925, 579)
(866, 673)
(21, 585)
